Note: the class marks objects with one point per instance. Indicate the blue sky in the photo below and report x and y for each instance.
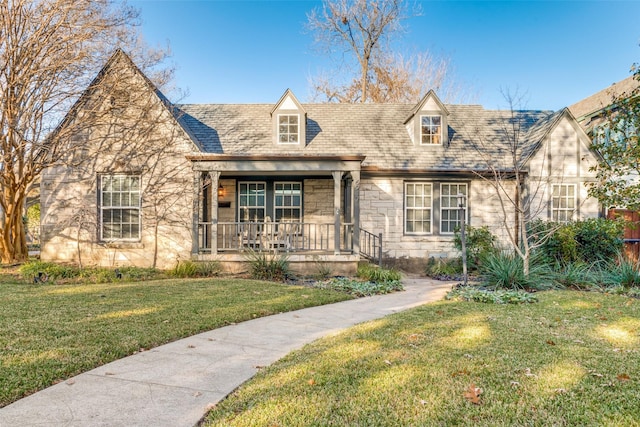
(558, 52)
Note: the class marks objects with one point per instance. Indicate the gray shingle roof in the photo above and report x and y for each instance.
(376, 131)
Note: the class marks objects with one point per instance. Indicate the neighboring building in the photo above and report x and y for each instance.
(591, 111)
(319, 181)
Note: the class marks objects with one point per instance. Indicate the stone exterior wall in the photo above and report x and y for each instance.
(382, 210)
(140, 137)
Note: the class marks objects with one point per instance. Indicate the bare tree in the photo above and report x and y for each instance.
(123, 126)
(505, 159)
(361, 28)
(359, 33)
(49, 52)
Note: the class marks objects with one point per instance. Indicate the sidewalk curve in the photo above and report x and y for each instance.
(172, 385)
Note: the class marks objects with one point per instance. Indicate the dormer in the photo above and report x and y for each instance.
(428, 123)
(289, 121)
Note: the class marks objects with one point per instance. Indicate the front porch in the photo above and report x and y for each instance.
(307, 207)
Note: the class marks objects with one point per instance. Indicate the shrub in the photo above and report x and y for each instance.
(323, 271)
(585, 241)
(599, 239)
(377, 274)
(443, 268)
(268, 266)
(50, 270)
(472, 293)
(622, 273)
(506, 271)
(188, 268)
(479, 242)
(577, 275)
(359, 288)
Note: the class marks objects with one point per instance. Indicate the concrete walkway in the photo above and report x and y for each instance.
(172, 385)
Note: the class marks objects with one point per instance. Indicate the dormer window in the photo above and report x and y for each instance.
(288, 128)
(289, 120)
(430, 130)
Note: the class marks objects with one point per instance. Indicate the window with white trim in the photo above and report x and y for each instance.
(287, 203)
(430, 130)
(288, 129)
(449, 208)
(119, 207)
(418, 198)
(563, 202)
(251, 201)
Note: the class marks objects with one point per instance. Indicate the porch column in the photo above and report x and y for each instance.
(355, 207)
(213, 228)
(337, 180)
(197, 191)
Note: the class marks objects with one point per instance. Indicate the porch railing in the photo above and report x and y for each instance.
(274, 236)
(371, 246)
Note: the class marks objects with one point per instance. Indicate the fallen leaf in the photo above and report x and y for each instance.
(71, 381)
(560, 390)
(197, 394)
(528, 373)
(623, 377)
(109, 373)
(191, 346)
(595, 374)
(423, 402)
(312, 382)
(460, 372)
(473, 394)
(515, 384)
(468, 356)
(387, 362)
(550, 342)
(628, 303)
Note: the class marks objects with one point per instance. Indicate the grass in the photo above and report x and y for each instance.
(570, 359)
(52, 332)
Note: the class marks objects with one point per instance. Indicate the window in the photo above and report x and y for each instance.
(251, 201)
(288, 129)
(120, 207)
(430, 130)
(563, 202)
(418, 198)
(449, 209)
(287, 201)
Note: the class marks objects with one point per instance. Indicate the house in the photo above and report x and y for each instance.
(322, 182)
(591, 111)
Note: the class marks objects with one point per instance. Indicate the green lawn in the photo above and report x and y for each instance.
(51, 332)
(571, 359)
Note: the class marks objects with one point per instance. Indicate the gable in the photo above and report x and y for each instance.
(428, 124)
(563, 152)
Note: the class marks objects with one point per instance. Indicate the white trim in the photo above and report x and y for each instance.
(424, 208)
(572, 211)
(288, 133)
(102, 208)
(439, 135)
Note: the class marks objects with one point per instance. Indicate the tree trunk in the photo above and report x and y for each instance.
(13, 241)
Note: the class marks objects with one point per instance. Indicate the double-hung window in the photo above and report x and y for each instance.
(288, 129)
(251, 201)
(430, 130)
(418, 207)
(287, 201)
(563, 202)
(449, 208)
(119, 207)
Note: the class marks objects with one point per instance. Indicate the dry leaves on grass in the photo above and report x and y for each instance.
(473, 394)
